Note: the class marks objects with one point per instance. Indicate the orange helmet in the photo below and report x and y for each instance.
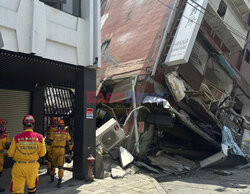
(3, 122)
(28, 120)
(61, 124)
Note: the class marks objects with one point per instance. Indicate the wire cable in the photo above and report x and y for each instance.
(235, 31)
(229, 27)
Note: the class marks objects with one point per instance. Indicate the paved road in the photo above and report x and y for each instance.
(207, 182)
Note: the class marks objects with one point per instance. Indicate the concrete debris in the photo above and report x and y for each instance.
(172, 165)
(125, 157)
(132, 169)
(169, 166)
(186, 162)
(245, 145)
(114, 153)
(141, 164)
(176, 86)
(216, 157)
(99, 166)
(243, 166)
(107, 174)
(223, 172)
(117, 171)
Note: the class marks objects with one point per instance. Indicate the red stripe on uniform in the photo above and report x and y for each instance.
(11, 186)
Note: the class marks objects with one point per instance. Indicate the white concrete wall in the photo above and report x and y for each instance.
(231, 18)
(29, 26)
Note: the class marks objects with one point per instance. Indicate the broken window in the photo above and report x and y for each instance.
(222, 9)
(69, 6)
(105, 45)
(103, 6)
(247, 56)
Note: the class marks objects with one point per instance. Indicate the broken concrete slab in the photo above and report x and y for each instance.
(223, 172)
(166, 164)
(117, 171)
(99, 166)
(107, 174)
(108, 161)
(245, 145)
(114, 153)
(176, 86)
(220, 156)
(125, 157)
(243, 166)
(181, 118)
(185, 161)
(141, 164)
(132, 169)
(146, 139)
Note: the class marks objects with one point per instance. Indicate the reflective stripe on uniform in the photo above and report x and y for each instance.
(25, 162)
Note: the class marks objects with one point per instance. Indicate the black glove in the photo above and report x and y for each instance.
(7, 146)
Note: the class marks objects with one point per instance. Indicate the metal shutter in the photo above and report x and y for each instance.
(14, 105)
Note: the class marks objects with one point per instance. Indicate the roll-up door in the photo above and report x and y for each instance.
(14, 105)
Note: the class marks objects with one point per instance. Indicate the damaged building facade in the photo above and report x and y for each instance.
(175, 79)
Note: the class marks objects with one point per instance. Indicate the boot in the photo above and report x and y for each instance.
(52, 178)
(59, 183)
(2, 189)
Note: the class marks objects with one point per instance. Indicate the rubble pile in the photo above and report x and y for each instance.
(184, 130)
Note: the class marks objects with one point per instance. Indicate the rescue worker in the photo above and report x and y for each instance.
(59, 139)
(25, 149)
(51, 129)
(4, 144)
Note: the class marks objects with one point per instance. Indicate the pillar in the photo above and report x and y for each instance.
(38, 108)
(85, 128)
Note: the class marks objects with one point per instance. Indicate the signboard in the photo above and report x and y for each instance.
(89, 113)
(186, 33)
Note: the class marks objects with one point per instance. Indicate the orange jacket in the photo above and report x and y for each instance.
(60, 137)
(49, 132)
(27, 146)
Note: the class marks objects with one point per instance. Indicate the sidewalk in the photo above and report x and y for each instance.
(138, 183)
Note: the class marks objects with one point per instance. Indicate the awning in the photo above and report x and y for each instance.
(19, 67)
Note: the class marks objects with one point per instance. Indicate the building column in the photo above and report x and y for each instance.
(38, 108)
(85, 128)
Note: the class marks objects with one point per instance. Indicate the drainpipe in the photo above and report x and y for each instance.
(163, 42)
(135, 115)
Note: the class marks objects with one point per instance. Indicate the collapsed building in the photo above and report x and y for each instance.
(172, 82)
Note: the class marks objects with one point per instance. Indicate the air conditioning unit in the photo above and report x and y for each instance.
(109, 135)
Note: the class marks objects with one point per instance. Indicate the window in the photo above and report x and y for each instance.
(222, 9)
(69, 6)
(247, 56)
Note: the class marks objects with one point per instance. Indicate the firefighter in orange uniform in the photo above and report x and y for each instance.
(25, 149)
(59, 139)
(51, 129)
(4, 144)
